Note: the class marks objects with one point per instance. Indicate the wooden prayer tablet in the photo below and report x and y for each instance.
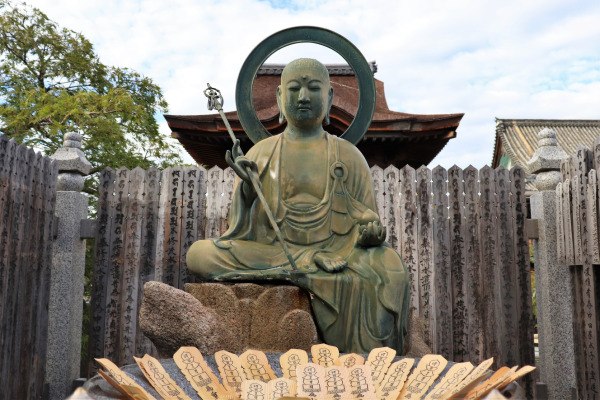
(487, 386)
(119, 376)
(253, 389)
(453, 377)
(310, 381)
(281, 387)
(421, 379)
(350, 360)
(476, 376)
(392, 384)
(517, 375)
(231, 370)
(324, 354)
(198, 373)
(337, 383)
(257, 366)
(114, 383)
(379, 360)
(362, 383)
(159, 379)
(290, 360)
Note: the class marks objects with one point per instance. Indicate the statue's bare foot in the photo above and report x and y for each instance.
(330, 262)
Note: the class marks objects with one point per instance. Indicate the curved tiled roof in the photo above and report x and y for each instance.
(518, 137)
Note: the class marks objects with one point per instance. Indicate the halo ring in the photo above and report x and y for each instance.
(305, 34)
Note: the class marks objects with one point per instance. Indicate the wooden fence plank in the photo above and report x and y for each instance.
(171, 191)
(105, 214)
(560, 238)
(112, 342)
(592, 214)
(425, 240)
(522, 262)
(22, 311)
(487, 230)
(589, 194)
(229, 178)
(506, 275)
(147, 259)
(458, 263)
(379, 190)
(567, 222)
(410, 252)
(15, 236)
(130, 273)
(579, 342)
(392, 210)
(213, 202)
(473, 264)
(443, 291)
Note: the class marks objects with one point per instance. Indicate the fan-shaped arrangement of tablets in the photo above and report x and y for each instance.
(329, 376)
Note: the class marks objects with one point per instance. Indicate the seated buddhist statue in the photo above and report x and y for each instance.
(319, 189)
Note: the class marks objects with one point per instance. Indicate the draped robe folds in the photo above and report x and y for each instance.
(356, 309)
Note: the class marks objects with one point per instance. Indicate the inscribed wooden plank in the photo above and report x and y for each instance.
(489, 266)
(592, 217)
(15, 236)
(475, 285)
(567, 222)
(560, 228)
(159, 257)
(506, 273)
(596, 154)
(172, 185)
(379, 190)
(229, 178)
(442, 270)
(7, 154)
(392, 208)
(565, 169)
(590, 309)
(409, 249)
(130, 273)
(105, 216)
(523, 268)
(579, 342)
(458, 268)
(112, 341)
(45, 248)
(213, 202)
(23, 309)
(425, 246)
(149, 225)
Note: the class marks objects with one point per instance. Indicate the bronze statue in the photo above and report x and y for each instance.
(319, 189)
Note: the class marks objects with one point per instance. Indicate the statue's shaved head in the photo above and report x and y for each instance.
(305, 64)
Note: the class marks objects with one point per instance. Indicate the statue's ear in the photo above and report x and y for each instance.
(329, 104)
(281, 116)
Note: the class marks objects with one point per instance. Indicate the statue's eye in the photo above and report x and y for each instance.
(293, 88)
(314, 87)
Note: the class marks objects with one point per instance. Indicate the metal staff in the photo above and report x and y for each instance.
(215, 102)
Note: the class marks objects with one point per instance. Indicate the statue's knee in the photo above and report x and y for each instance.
(197, 256)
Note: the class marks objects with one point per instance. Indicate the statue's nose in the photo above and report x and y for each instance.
(302, 96)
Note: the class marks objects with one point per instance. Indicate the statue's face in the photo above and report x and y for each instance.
(305, 94)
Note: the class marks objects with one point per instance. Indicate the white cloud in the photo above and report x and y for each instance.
(510, 59)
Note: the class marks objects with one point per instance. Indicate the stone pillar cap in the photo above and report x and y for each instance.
(70, 158)
(548, 155)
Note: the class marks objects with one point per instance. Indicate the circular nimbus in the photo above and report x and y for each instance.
(305, 34)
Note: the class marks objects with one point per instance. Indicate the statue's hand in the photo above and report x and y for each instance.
(371, 235)
(330, 262)
(240, 164)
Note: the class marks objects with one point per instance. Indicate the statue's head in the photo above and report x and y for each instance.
(305, 95)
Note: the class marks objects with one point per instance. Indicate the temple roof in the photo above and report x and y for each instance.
(393, 138)
(517, 138)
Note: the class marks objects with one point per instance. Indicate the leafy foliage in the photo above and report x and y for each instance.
(52, 82)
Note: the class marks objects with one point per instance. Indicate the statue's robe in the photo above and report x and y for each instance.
(357, 309)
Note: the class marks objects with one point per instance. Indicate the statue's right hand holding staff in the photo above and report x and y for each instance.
(242, 167)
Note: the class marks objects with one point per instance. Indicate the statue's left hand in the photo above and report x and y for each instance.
(371, 235)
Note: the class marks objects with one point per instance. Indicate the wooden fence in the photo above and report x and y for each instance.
(27, 200)
(460, 232)
(578, 246)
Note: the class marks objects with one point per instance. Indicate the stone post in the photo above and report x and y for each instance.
(554, 313)
(67, 274)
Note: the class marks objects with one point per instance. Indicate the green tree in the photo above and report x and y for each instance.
(52, 82)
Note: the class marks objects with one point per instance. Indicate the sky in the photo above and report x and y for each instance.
(486, 59)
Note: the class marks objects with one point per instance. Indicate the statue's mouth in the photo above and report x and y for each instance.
(304, 108)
